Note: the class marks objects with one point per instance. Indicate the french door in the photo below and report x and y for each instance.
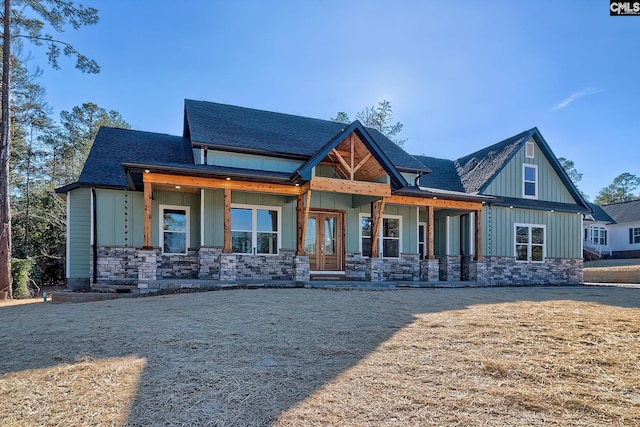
(324, 241)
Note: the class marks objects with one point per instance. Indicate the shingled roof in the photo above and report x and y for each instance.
(444, 175)
(599, 214)
(248, 130)
(478, 169)
(112, 146)
(623, 212)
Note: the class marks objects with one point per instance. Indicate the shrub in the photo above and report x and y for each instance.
(21, 274)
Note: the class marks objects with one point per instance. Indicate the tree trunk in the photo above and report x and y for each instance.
(5, 207)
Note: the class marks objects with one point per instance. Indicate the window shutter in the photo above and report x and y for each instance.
(631, 236)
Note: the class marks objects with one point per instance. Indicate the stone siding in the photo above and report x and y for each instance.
(355, 266)
(209, 263)
(258, 267)
(179, 266)
(405, 268)
(117, 264)
(430, 270)
(553, 271)
(450, 268)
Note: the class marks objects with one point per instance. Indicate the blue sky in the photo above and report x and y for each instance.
(460, 75)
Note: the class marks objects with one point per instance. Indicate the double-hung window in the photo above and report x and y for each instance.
(529, 181)
(389, 236)
(598, 235)
(255, 229)
(530, 242)
(634, 236)
(174, 229)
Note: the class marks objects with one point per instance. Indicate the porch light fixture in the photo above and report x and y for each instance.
(434, 197)
(177, 186)
(147, 171)
(228, 178)
(511, 207)
(552, 210)
(297, 185)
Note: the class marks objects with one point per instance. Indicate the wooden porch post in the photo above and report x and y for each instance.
(430, 250)
(377, 208)
(148, 191)
(302, 215)
(478, 235)
(227, 221)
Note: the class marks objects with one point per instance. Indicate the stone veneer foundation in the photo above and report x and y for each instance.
(125, 265)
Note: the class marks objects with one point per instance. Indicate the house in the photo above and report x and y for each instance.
(613, 230)
(246, 194)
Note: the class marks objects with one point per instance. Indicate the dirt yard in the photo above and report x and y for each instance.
(566, 356)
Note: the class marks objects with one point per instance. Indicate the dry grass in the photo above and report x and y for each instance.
(501, 356)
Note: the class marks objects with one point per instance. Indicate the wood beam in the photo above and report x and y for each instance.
(438, 203)
(202, 182)
(148, 192)
(377, 208)
(362, 162)
(478, 236)
(227, 222)
(430, 233)
(344, 164)
(334, 185)
(353, 170)
(302, 216)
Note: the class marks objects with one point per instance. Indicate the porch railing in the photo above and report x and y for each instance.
(596, 248)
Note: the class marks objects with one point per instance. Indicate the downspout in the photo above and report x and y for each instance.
(94, 235)
(417, 180)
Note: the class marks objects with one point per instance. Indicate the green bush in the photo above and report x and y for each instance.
(21, 274)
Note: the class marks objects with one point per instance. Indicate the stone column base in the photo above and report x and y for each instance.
(430, 270)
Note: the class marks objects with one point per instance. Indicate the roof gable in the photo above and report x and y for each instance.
(397, 180)
(479, 170)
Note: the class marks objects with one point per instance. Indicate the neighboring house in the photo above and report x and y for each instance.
(247, 195)
(613, 230)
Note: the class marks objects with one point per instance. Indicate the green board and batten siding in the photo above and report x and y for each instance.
(563, 231)
(79, 233)
(508, 182)
(115, 209)
(250, 161)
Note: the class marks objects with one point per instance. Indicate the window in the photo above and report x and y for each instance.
(390, 233)
(174, 229)
(634, 235)
(422, 231)
(530, 181)
(598, 235)
(529, 149)
(530, 243)
(255, 229)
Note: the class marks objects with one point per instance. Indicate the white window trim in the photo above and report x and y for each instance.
(161, 209)
(380, 237)
(254, 226)
(526, 150)
(529, 165)
(544, 244)
(634, 234)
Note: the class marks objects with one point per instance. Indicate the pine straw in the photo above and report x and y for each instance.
(502, 356)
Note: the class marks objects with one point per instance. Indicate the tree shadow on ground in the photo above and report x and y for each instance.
(241, 357)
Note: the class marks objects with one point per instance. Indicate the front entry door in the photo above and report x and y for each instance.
(323, 242)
